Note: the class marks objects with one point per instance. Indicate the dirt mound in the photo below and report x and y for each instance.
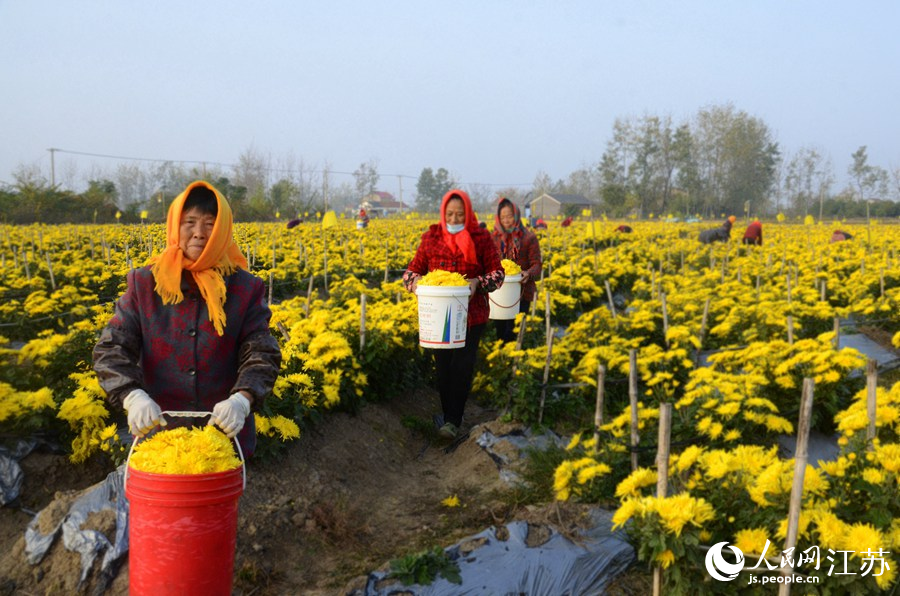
(354, 492)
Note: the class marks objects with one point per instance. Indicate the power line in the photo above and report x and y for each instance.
(267, 169)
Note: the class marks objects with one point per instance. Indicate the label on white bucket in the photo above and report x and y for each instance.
(443, 316)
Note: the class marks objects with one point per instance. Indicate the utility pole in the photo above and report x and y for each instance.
(400, 182)
(325, 188)
(52, 166)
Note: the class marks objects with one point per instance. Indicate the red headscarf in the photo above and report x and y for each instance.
(509, 241)
(462, 241)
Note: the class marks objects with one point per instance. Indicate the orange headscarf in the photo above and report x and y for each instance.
(221, 256)
(462, 241)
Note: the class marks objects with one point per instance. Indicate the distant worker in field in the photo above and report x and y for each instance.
(753, 234)
(540, 224)
(362, 218)
(191, 331)
(720, 234)
(567, 222)
(840, 236)
(518, 244)
(458, 244)
(624, 229)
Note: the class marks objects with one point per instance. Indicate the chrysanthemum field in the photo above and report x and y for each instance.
(726, 333)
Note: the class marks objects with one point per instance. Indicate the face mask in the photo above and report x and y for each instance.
(455, 228)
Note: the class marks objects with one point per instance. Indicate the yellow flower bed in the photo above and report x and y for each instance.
(439, 277)
(185, 451)
(511, 267)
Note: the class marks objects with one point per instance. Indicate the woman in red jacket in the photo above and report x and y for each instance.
(458, 244)
(517, 244)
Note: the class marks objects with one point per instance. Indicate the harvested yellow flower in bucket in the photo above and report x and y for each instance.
(511, 267)
(439, 277)
(185, 451)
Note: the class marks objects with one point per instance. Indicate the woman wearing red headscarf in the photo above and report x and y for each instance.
(191, 331)
(517, 244)
(458, 244)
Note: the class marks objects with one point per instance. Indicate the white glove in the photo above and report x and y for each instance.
(143, 413)
(229, 414)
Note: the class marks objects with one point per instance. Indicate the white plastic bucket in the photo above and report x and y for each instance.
(443, 315)
(360, 225)
(505, 299)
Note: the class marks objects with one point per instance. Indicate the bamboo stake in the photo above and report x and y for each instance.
(362, 322)
(665, 315)
(837, 333)
(325, 262)
(662, 451)
(801, 457)
(609, 296)
(308, 295)
(546, 379)
(598, 409)
(25, 260)
(702, 335)
(632, 398)
(871, 402)
(790, 329)
(50, 270)
(271, 284)
(662, 474)
(547, 332)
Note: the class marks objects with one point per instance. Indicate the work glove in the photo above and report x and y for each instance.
(229, 414)
(143, 413)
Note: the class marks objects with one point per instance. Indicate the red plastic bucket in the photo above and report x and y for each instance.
(182, 530)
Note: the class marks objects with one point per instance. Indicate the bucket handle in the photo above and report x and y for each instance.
(501, 306)
(186, 414)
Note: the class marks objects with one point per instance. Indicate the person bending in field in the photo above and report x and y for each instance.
(753, 234)
(720, 234)
(840, 236)
(191, 331)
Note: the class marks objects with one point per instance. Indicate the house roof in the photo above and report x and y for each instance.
(379, 197)
(389, 205)
(565, 199)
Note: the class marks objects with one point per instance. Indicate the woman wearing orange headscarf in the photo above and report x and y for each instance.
(191, 331)
(458, 244)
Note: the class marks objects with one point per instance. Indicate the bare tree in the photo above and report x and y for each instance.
(252, 172)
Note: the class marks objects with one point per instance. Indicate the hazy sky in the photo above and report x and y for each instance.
(494, 91)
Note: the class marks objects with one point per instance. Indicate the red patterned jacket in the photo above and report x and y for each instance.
(434, 254)
(174, 353)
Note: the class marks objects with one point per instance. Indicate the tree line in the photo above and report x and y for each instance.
(722, 160)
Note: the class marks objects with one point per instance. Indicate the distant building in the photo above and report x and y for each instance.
(551, 205)
(383, 203)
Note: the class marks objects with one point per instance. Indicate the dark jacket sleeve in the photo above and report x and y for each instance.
(490, 260)
(117, 354)
(259, 356)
